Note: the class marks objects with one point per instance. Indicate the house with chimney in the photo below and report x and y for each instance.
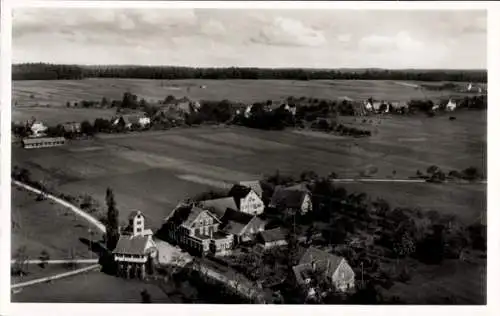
(318, 264)
(136, 251)
(197, 230)
(247, 200)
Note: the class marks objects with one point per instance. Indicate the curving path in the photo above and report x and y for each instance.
(168, 253)
(62, 202)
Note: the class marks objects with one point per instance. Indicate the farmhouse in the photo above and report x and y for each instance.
(292, 199)
(243, 227)
(129, 120)
(219, 206)
(72, 127)
(333, 269)
(197, 230)
(41, 142)
(135, 248)
(247, 200)
(272, 238)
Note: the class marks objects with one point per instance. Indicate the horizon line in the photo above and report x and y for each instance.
(253, 67)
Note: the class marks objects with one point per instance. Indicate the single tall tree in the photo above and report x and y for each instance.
(112, 233)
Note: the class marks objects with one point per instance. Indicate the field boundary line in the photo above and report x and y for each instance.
(54, 277)
(56, 261)
(64, 203)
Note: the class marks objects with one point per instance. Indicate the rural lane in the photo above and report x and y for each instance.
(62, 202)
(55, 277)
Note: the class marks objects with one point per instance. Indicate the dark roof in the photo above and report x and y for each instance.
(239, 192)
(219, 206)
(254, 185)
(131, 245)
(292, 197)
(323, 260)
(271, 235)
(186, 214)
(234, 222)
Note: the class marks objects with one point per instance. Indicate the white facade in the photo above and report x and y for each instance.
(144, 121)
(38, 129)
(252, 204)
(306, 204)
(451, 106)
(248, 111)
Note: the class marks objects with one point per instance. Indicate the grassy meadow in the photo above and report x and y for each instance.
(44, 225)
(153, 171)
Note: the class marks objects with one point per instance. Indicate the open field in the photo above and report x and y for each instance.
(58, 92)
(43, 225)
(57, 115)
(153, 171)
(92, 287)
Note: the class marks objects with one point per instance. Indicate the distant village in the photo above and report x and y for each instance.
(174, 112)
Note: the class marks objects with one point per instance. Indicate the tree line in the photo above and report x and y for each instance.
(45, 71)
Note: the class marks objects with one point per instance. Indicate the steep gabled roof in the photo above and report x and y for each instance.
(254, 185)
(131, 245)
(186, 215)
(219, 206)
(322, 260)
(291, 197)
(239, 192)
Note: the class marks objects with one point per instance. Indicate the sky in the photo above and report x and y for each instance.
(251, 37)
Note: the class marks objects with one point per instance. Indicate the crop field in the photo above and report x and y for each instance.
(153, 171)
(58, 92)
(43, 225)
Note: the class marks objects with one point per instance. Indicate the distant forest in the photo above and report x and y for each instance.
(43, 71)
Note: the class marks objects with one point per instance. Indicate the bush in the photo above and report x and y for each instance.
(44, 257)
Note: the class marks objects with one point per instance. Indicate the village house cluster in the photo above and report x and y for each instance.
(218, 226)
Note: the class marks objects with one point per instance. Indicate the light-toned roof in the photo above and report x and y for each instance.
(37, 140)
(129, 245)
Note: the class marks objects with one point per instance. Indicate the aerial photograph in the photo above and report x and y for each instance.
(248, 156)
